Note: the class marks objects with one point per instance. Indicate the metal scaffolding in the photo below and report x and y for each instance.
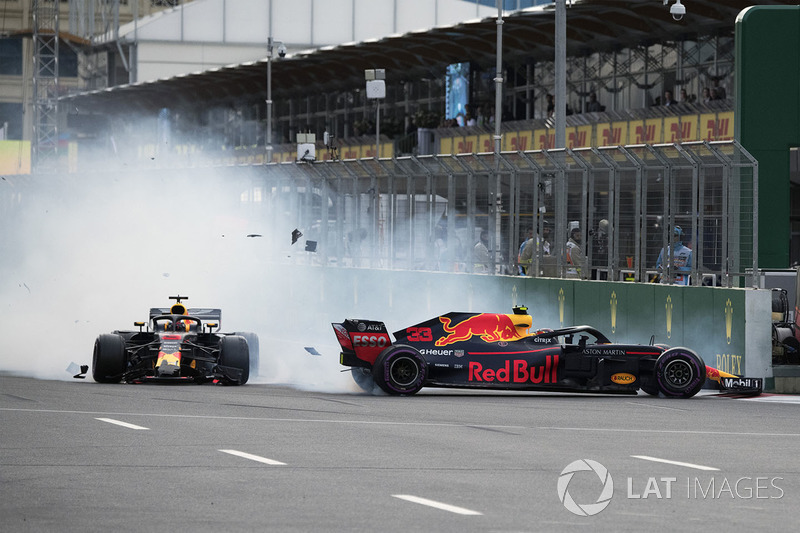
(427, 212)
(45, 85)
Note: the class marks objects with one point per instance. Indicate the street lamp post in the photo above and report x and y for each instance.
(281, 52)
(376, 89)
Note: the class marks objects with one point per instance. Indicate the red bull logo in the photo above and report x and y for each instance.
(516, 371)
(489, 327)
(717, 374)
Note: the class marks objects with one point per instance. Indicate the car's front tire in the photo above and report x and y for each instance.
(400, 369)
(234, 353)
(252, 346)
(108, 360)
(680, 373)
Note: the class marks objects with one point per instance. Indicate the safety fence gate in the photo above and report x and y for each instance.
(633, 210)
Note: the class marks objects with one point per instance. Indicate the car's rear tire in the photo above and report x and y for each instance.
(363, 378)
(234, 353)
(680, 373)
(252, 346)
(108, 360)
(400, 369)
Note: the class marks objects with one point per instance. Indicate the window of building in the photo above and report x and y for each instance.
(67, 62)
(11, 57)
(11, 114)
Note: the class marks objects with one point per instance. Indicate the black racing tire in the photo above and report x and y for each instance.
(234, 353)
(363, 378)
(252, 346)
(680, 373)
(400, 369)
(109, 360)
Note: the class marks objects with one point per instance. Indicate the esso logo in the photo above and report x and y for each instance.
(370, 341)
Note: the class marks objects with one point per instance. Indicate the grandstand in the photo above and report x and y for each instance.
(629, 53)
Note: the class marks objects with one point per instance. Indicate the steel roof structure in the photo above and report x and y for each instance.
(528, 37)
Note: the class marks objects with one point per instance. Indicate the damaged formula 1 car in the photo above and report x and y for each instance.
(497, 351)
(177, 345)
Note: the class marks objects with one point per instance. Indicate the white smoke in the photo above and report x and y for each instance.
(88, 254)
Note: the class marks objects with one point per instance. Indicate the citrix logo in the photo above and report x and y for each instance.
(586, 509)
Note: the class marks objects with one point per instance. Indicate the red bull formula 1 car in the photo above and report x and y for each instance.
(178, 345)
(497, 351)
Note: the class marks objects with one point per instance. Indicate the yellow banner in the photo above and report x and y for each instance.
(647, 131)
(446, 145)
(486, 143)
(580, 137)
(716, 127)
(544, 139)
(350, 152)
(467, 144)
(518, 141)
(15, 157)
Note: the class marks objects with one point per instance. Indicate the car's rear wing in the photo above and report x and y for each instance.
(205, 314)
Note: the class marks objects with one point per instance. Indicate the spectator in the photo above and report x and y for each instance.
(706, 95)
(668, 101)
(470, 118)
(551, 105)
(526, 253)
(600, 250)
(480, 253)
(721, 93)
(524, 258)
(576, 259)
(681, 258)
(684, 97)
(545, 238)
(593, 106)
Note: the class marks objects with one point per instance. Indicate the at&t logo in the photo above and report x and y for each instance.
(586, 509)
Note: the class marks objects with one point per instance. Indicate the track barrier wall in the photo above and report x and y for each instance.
(729, 328)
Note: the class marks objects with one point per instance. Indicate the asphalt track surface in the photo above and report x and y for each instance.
(82, 456)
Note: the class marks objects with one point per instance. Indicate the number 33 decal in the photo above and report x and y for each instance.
(419, 334)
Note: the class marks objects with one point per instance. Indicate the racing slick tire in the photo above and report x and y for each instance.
(400, 369)
(108, 360)
(252, 346)
(234, 353)
(363, 378)
(680, 373)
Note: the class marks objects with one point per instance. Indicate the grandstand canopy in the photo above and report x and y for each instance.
(528, 36)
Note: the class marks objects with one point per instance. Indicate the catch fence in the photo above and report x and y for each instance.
(428, 212)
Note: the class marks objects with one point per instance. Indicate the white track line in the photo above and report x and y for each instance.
(416, 424)
(120, 423)
(253, 457)
(678, 463)
(435, 504)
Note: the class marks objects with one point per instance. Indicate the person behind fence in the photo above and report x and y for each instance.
(531, 246)
(681, 258)
(600, 250)
(576, 259)
(480, 253)
(523, 262)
